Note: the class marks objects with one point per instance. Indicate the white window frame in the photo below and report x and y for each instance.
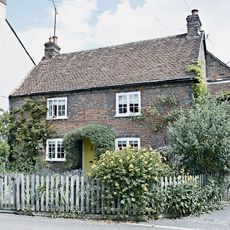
(128, 113)
(55, 159)
(128, 139)
(56, 117)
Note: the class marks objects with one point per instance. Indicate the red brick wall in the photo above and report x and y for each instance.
(99, 107)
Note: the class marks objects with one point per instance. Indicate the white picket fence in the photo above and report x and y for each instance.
(69, 193)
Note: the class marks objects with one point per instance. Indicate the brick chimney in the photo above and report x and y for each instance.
(193, 25)
(51, 48)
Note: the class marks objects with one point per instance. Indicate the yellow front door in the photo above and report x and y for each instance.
(88, 155)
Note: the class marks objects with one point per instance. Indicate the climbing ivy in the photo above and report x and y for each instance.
(101, 136)
(26, 131)
(200, 87)
(162, 112)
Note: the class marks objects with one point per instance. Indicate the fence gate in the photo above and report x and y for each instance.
(7, 192)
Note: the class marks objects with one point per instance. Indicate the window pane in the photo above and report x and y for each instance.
(133, 103)
(133, 144)
(60, 150)
(50, 108)
(51, 149)
(61, 108)
(121, 144)
(122, 104)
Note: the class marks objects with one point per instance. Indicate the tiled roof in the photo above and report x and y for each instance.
(145, 61)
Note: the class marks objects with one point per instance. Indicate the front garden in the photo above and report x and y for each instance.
(191, 177)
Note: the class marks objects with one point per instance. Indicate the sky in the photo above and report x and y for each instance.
(88, 24)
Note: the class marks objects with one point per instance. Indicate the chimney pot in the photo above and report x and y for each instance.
(194, 11)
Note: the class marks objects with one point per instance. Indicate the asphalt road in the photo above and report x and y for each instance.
(218, 220)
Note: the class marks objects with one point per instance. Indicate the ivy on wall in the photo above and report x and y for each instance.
(101, 136)
(200, 87)
(25, 130)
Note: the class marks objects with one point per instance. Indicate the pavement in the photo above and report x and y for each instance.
(217, 220)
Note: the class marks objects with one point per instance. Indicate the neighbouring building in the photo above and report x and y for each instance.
(11, 54)
(110, 85)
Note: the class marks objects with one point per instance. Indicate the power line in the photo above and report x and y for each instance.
(187, 5)
(20, 41)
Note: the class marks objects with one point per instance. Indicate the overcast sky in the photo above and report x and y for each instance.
(87, 24)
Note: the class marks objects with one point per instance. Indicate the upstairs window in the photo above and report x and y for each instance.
(57, 108)
(128, 104)
(125, 142)
(55, 150)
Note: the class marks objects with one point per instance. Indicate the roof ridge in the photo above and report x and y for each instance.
(217, 59)
(122, 45)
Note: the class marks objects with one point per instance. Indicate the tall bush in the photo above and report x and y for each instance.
(200, 138)
(130, 173)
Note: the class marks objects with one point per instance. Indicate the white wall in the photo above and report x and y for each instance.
(11, 72)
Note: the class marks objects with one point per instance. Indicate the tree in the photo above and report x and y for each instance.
(200, 138)
(25, 130)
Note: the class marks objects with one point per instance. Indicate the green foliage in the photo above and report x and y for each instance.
(159, 115)
(131, 173)
(167, 99)
(186, 199)
(200, 139)
(101, 136)
(4, 154)
(26, 130)
(200, 87)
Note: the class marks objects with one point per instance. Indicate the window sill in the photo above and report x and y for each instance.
(56, 118)
(55, 160)
(128, 115)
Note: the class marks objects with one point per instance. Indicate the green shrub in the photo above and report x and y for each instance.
(4, 154)
(186, 199)
(131, 174)
(200, 138)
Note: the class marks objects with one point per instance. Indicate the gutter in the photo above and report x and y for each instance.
(174, 81)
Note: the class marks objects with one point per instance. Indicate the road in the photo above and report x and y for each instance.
(218, 220)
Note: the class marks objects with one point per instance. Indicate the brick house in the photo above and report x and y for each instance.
(108, 85)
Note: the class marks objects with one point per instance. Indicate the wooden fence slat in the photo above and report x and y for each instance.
(82, 193)
(22, 192)
(67, 193)
(42, 192)
(17, 193)
(62, 198)
(9, 192)
(27, 192)
(32, 192)
(71, 193)
(1, 191)
(37, 182)
(5, 191)
(98, 198)
(92, 196)
(87, 194)
(52, 193)
(77, 193)
(57, 191)
(47, 200)
(102, 199)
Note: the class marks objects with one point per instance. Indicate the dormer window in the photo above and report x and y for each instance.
(128, 104)
(57, 108)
